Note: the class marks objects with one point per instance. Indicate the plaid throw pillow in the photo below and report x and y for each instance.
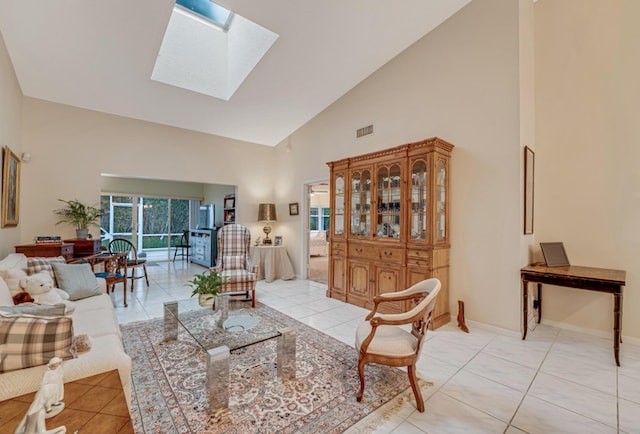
(36, 265)
(28, 340)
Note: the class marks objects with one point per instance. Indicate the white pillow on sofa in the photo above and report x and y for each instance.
(12, 278)
(13, 260)
(6, 299)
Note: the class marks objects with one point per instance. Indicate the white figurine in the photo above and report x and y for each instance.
(47, 403)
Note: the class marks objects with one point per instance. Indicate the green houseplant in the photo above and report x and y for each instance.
(206, 286)
(79, 215)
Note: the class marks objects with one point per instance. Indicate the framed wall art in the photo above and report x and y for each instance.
(293, 208)
(529, 167)
(10, 188)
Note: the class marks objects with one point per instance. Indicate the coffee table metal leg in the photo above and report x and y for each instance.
(170, 321)
(218, 362)
(287, 354)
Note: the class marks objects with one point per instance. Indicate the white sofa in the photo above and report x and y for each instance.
(318, 245)
(94, 316)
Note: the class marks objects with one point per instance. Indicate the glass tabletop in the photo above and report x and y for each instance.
(242, 328)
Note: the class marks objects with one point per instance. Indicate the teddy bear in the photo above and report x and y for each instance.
(40, 288)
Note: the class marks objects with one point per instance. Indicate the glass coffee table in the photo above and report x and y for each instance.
(221, 331)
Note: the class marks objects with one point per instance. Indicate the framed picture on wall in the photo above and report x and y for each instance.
(293, 208)
(529, 166)
(10, 188)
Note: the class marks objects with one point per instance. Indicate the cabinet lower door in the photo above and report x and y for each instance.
(389, 278)
(359, 287)
(337, 278)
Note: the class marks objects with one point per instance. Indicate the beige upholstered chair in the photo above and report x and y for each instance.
(380, 339)
(234, 261)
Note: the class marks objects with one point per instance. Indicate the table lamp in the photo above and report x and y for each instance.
(267, 214)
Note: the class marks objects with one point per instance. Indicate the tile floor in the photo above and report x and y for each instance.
(487, 381)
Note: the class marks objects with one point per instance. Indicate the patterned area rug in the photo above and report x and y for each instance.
(169, 396)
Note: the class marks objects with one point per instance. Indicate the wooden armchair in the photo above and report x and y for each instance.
(380, 339)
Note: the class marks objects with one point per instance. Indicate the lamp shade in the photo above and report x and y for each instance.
(267, 212)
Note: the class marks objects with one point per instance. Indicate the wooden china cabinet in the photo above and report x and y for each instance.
(390, 223)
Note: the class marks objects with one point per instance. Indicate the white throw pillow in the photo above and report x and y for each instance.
(12, 278)
(6, 299)
(13, 260)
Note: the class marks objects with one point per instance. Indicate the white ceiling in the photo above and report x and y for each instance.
(99, 55)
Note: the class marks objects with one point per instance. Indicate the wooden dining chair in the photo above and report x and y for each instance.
(120, 245)
(381, 339)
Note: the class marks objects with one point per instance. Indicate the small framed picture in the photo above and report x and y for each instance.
(554, 254)
(293, 208)
(230, 202)
(277, 241)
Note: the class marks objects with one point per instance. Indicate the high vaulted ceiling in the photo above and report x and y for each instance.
(100, 55)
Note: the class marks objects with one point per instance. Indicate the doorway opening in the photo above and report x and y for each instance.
(319, 213)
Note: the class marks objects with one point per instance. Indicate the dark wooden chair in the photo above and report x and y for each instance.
(120, 245)
(380, 339)
(115, 270)
(184, 247)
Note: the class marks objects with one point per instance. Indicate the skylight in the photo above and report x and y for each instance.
(209, 10)
(197, 56)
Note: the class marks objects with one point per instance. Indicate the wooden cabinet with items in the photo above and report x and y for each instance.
(229, 209)
(85, 247)
(390, 223)
(204, 246)
(46, 250)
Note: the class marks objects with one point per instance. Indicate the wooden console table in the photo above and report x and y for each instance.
(92, 405)
(593, 279)
(47, 250)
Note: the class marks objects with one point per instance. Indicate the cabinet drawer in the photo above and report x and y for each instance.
(390, 254)
(418, 254)
(337, 249)
(376, 253)
(418, 262)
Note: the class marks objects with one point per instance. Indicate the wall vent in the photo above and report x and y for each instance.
(365, 131)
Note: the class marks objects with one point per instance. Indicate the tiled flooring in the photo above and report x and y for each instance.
(487, 381)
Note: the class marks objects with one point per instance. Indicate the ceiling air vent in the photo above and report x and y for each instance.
(365, 131)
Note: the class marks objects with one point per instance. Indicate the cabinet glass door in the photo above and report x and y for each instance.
(388, 187)
(338, 209)
(419, 200)
(361, 203)
(441, 195)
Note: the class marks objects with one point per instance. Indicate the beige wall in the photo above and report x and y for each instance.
(152, 187)
(10, 122)
(587, 149)
(460, 82)
(71, 147)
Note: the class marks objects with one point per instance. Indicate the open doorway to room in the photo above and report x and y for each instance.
(154, 214)
(319, 218)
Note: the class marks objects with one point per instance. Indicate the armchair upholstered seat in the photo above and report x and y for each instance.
(234, 262)
(380, 339)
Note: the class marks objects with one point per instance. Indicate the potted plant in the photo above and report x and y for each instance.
(206, 286)
(79, 215)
